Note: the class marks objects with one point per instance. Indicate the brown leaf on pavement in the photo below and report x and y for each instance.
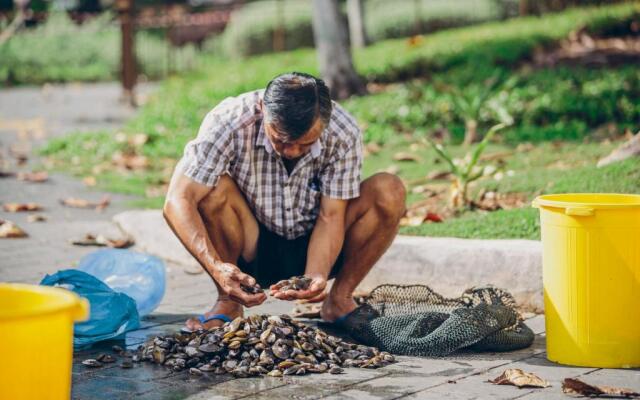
(89, 180)
(406, 156)
(101, 241)
(576, 386)
(10, 230)
(6, 174)
(519, 378)
(75, 202)
(36, 218)
(33, 176)
(19, 207)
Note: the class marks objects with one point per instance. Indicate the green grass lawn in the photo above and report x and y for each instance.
(557, 104)
(558, 167)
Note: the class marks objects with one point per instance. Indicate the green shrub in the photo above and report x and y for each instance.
(251, 29)
(394, 19)
(60, 50)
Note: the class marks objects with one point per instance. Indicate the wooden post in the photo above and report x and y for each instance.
(128, 60)
(279, 32)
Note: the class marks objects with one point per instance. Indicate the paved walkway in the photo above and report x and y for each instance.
(47, 250)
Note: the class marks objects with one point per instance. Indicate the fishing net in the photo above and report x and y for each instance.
(415, 320)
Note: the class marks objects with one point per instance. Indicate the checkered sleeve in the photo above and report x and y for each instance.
(208, 156)
(341, 179)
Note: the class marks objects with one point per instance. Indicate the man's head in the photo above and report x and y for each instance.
(296, 108)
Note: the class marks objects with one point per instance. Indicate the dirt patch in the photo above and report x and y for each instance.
(583, 48)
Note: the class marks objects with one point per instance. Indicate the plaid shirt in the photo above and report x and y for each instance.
(232, 140)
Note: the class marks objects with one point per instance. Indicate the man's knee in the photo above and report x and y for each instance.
(389, 194)
(218, 198)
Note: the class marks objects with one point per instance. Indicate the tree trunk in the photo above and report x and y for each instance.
(357, 31)
(523, 8)
(334, 55)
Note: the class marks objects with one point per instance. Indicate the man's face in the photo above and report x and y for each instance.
(293, 149)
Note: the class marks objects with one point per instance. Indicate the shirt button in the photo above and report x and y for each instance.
(288, 208)
(290, 230)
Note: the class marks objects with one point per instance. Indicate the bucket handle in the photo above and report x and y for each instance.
(572, 211)
(579, 211)
(81, 310)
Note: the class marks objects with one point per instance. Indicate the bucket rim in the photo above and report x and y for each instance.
(66, 300)
(554, 200)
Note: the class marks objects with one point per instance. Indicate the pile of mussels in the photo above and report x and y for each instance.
(260, 345)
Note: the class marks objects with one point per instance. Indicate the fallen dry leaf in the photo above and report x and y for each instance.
(138, 139)
(439, 175)
(156, 191)
(391, 169)
(10, 230)
(89, 180)
(130, 161)
(519, 378)
(406, 156)
(373, 147)
(418, 189)
(496, 156)
(576, 386)
(36, 218)
(419, 219)
(414, 41)
(75, 202)
(34, 176)
(6, 174)
(19, 207)
(101, 241)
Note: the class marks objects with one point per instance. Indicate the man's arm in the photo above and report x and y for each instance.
(181, 213)
(324, 247)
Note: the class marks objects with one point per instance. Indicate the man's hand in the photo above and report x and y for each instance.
(230, 277)
(314, 293)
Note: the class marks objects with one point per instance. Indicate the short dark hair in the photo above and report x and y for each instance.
(294, 100)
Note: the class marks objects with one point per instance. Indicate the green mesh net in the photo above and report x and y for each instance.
(415, 320)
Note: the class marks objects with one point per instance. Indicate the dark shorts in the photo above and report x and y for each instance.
(278, 258)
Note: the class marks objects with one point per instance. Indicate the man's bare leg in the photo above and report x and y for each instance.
(233, 230)
(371, 224)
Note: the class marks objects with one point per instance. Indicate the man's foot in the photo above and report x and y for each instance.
(335, 307)
(227, 307)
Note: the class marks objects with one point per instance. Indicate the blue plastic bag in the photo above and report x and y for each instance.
(111, 315)
(138, 275)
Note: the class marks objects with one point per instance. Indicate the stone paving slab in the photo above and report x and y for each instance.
(478, 382)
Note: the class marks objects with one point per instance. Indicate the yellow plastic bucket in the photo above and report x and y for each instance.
(36, 340)
(591, 278)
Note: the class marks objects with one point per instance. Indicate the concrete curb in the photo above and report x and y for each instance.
(448, 265)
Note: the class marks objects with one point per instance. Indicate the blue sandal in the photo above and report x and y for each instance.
(203, 320)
